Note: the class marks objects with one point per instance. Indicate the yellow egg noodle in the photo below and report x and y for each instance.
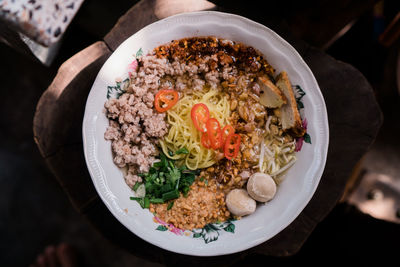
(182, 132)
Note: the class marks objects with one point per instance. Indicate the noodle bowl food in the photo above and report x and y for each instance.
(205, 130)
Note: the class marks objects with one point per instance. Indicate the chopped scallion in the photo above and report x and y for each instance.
(170, 195)
(135, 187)
(163, 182)
(182, 150)
(156, 200)
(146, 203)
(170, 205)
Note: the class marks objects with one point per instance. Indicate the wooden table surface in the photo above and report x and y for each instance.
(354, 121)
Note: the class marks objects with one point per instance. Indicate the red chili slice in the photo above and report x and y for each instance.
(200, 115)
(205, 141)
(214, 133)
(232, 146)
(226, 131)
(165, 99)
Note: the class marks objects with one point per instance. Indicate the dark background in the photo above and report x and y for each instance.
(35, 212)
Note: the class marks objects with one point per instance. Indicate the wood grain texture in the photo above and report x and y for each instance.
(148, 11)
(50, 128)
(354, 120)
(58, 122)
(134, 19)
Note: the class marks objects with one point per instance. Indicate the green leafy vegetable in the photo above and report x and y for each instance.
(165, 181)
(136, 186)
(182, 151)
(170, 195)
(144, 202)
(156, 200)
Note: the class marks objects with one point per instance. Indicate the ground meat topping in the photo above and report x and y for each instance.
(134, 126)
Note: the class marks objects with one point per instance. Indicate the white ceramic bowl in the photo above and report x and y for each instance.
(268, 220)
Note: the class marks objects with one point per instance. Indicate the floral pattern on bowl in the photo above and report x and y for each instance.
(208, 233)
(295, 191)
